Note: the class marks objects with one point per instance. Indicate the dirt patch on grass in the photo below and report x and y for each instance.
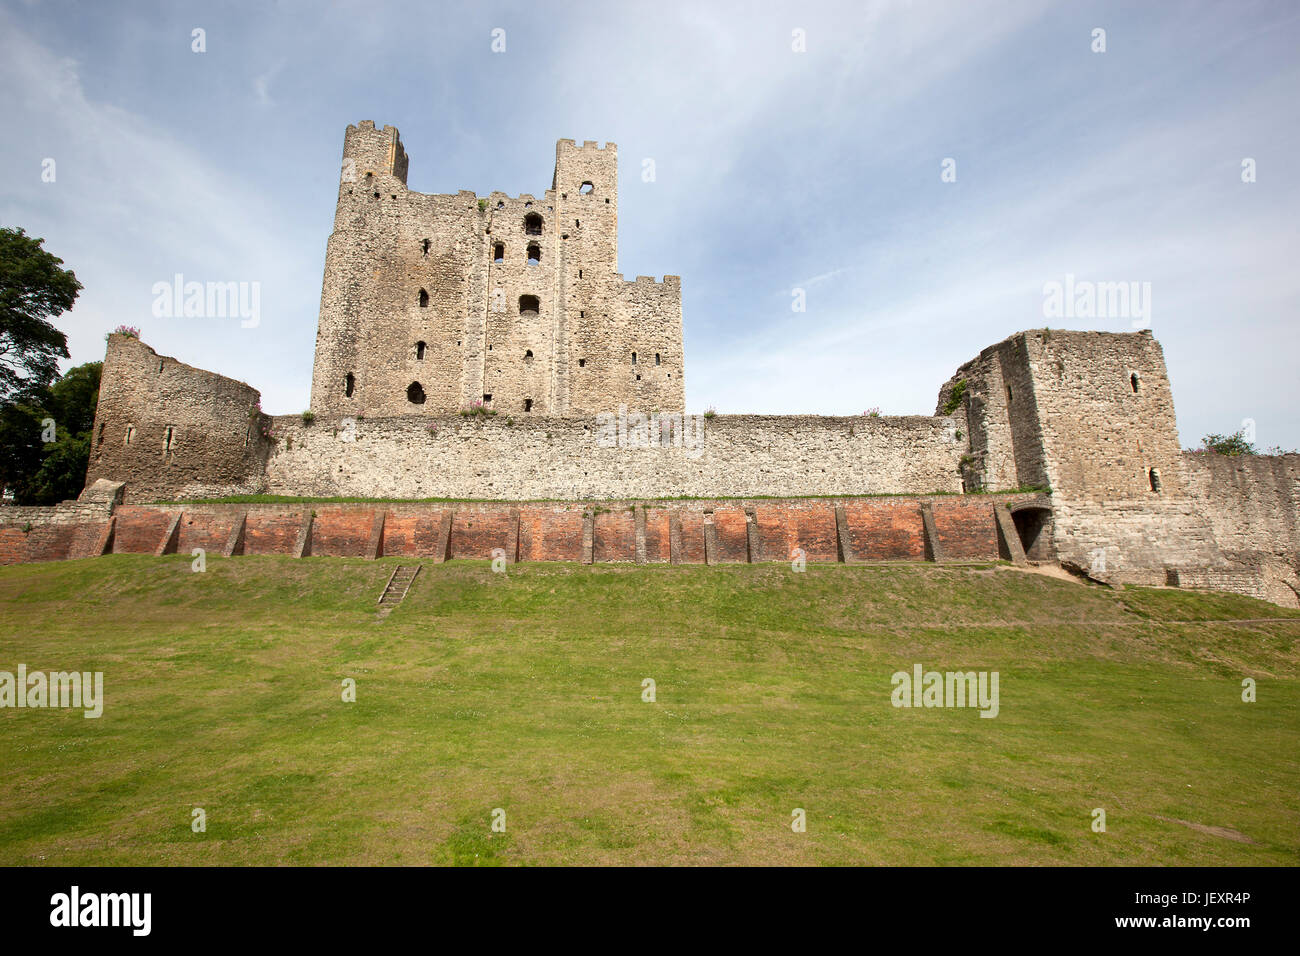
(1226, 833)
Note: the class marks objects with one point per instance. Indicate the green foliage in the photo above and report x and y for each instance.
(954, 400)
(482, 205)
(33, 290)
(308, 417)
(1231, 445)
(40, 471)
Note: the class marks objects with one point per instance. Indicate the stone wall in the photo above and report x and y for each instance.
(1090, 415)
(432, 302)
(1252, 503)
(562, 458)
(165, 427)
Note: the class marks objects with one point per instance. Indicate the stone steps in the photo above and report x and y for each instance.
(399, 583)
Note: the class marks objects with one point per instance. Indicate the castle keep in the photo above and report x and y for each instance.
(1050, 446)
(432, 303)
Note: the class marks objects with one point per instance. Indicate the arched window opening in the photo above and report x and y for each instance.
(533, 224)
(1154, 477)
(528, 404)
(586, 188)
(582, 363)
(415, 393)
(167, 441)
(529, 303)
(349, 383)
(528, 355)
(130, 434)
(424, 299)
(633, 358)
(501, 204)
(656, 358)
(424, 247)
(499, 253)
(419, 351)
(1134, 381)
(534, 254)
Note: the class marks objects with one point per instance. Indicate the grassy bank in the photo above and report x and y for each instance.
(523, 692)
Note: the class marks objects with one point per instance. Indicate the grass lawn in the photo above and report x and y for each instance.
(523, 691)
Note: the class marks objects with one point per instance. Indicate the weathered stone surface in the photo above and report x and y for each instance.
(555, 335)
(562, 458)
(168, 429)
(421, 318)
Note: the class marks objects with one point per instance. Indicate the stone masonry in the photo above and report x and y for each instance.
(1057, 446)
(432, 303)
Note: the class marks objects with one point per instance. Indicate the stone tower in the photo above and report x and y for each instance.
(433, 302)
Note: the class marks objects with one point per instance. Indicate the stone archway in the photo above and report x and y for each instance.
(1034, 528)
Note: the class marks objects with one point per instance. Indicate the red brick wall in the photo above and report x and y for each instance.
(692, 537)
(550, 535)
(886, 529)
(966, 529)
(784, 526)
(87, 539)
(657, 545)
(880, 529)
(139, 530)
(337, 532)
(730, 535)
(272, 532)
(207, 531)
(13, 546)
(614, 536)
(412, 535)
(474, 534)
(50, 542)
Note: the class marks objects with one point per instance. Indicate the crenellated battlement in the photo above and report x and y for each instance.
(434, 302)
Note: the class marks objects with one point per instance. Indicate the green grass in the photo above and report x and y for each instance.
(522, 692)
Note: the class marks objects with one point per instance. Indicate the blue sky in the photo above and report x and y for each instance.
(775, 170)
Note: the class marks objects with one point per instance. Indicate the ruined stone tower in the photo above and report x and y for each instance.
(433, 302)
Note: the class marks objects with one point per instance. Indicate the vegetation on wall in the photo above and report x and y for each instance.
(954, 400)
(1236, 444)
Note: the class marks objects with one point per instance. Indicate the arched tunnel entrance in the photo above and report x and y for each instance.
(1034, 528)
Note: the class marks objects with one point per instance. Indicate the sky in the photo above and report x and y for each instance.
(915, 174)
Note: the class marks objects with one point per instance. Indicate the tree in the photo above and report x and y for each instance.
(21, 448)
(1234, 444)
(34, 288)
(45, 440)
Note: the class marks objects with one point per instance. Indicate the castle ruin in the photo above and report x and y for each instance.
(433, 303)
(468, 348)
